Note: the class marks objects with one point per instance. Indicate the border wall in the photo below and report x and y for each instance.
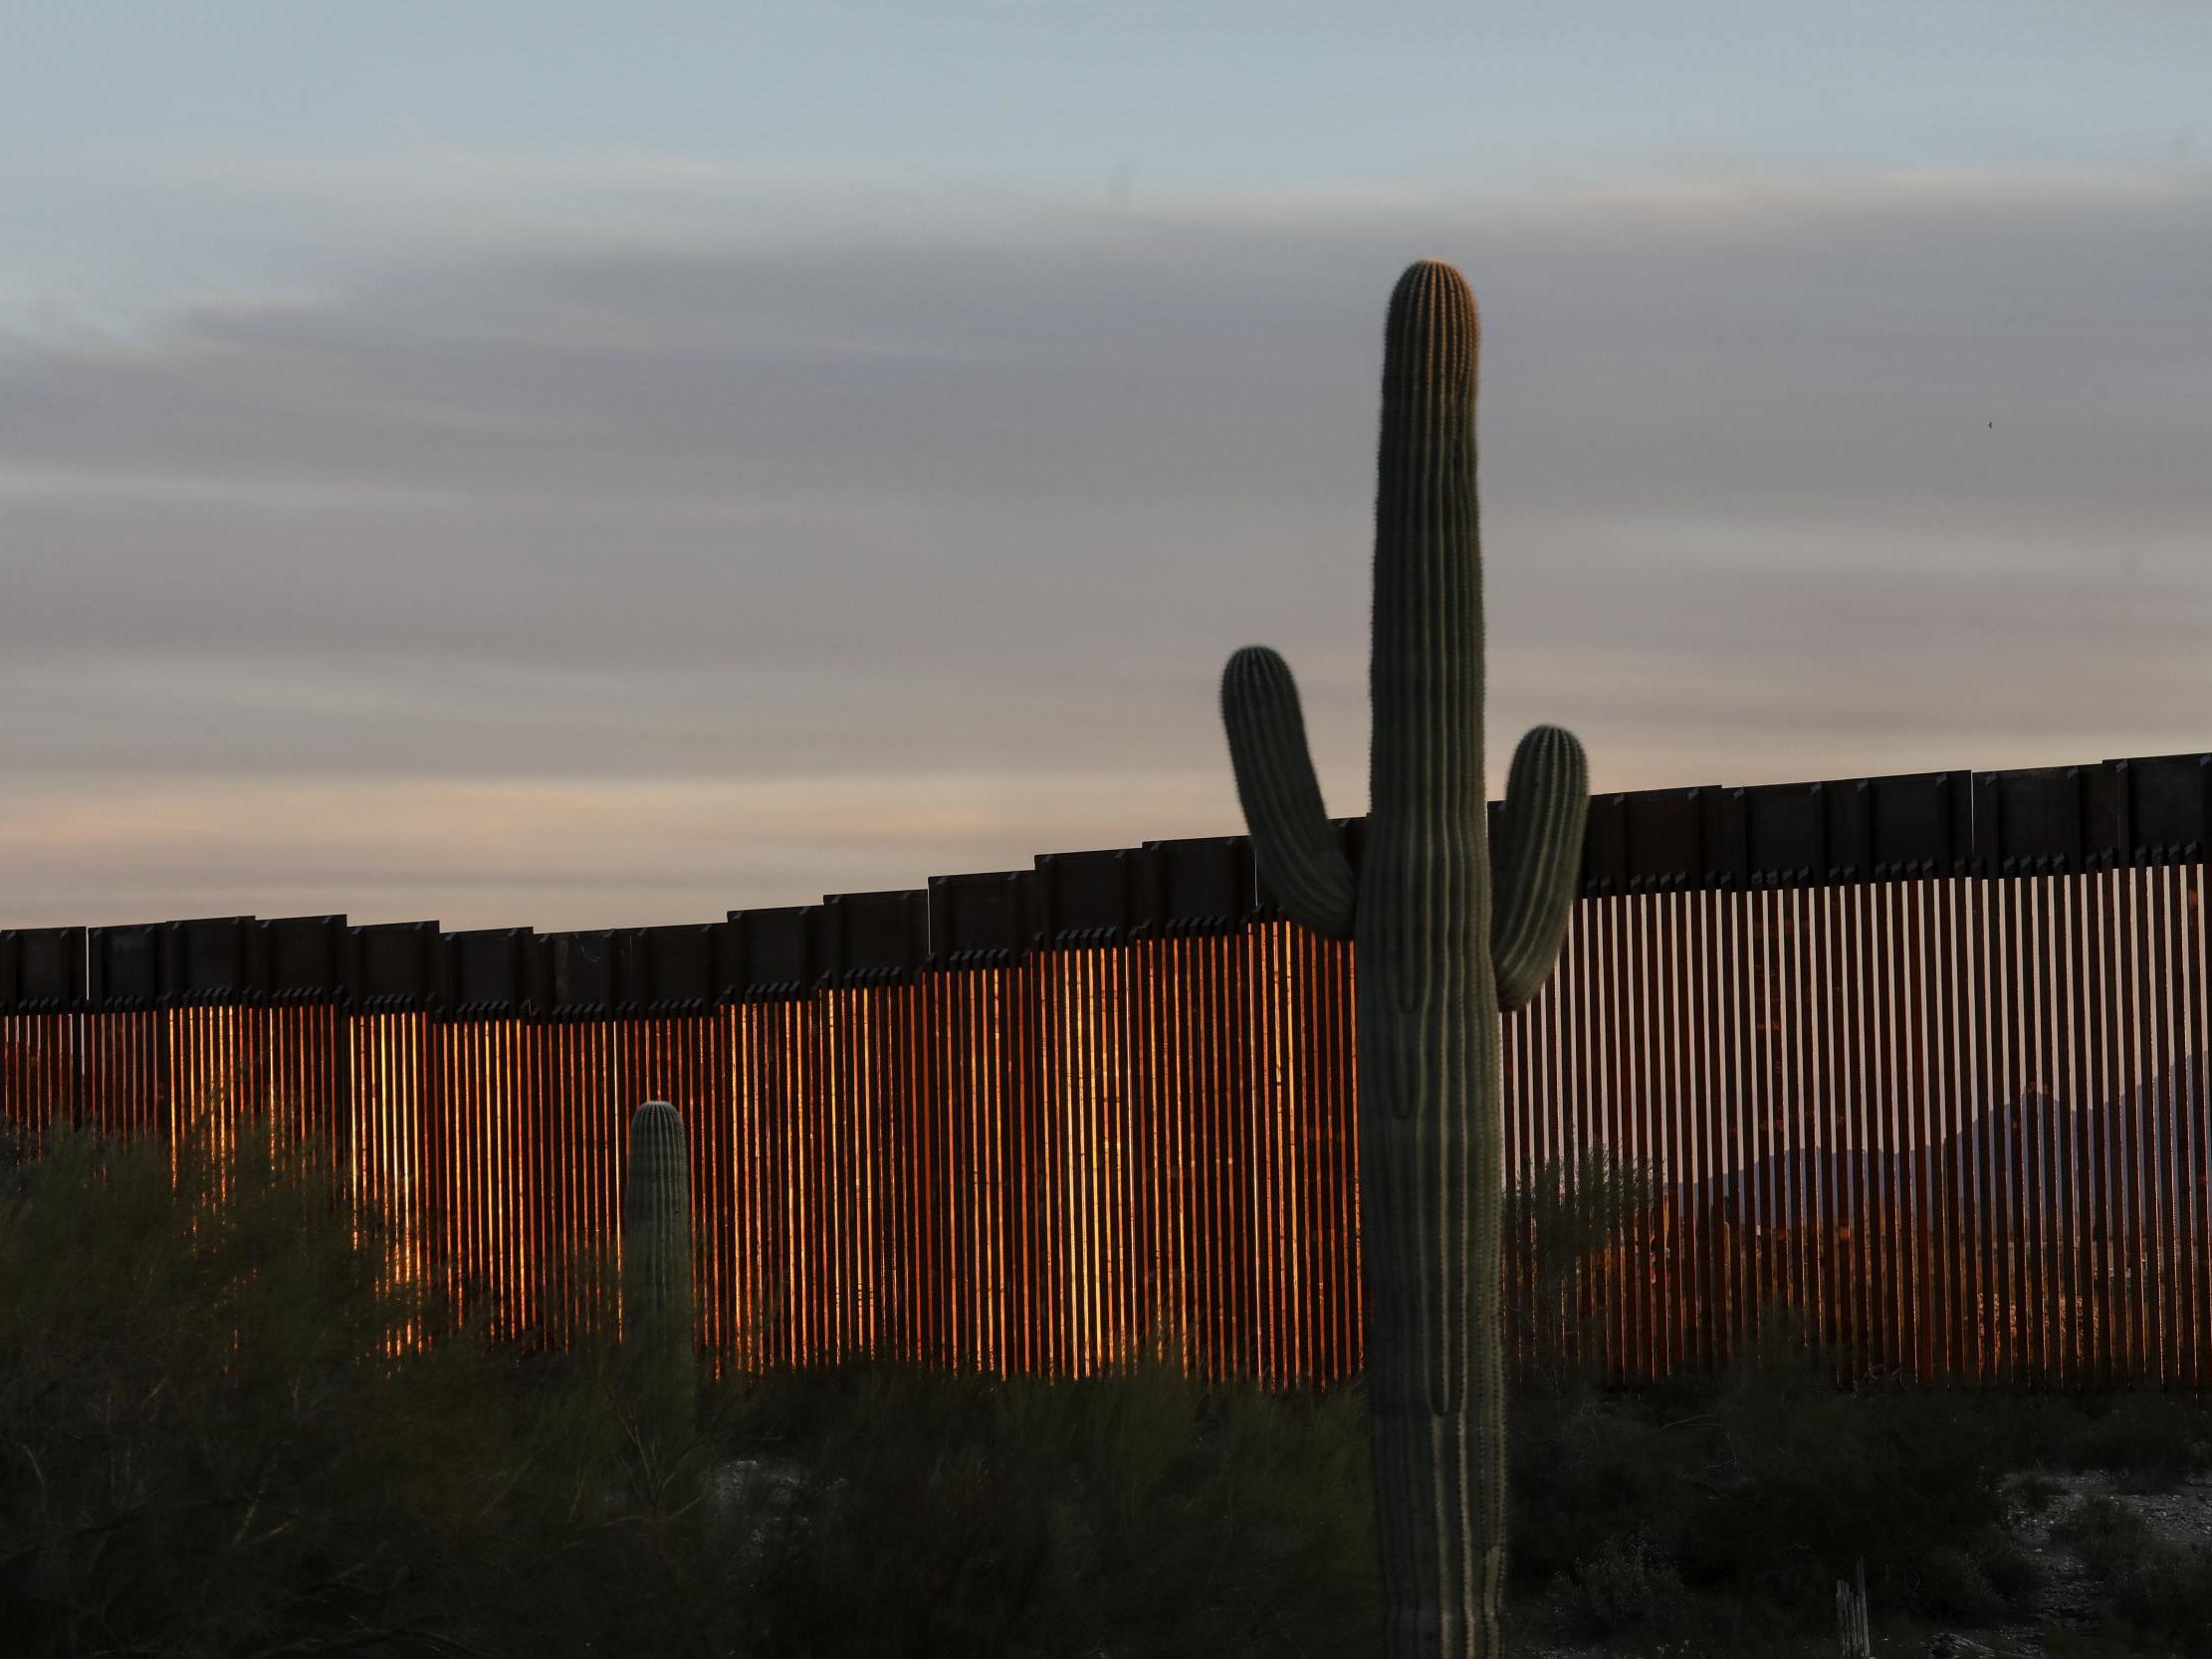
(1919, 1058)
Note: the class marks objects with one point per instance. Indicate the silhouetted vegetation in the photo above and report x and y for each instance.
(2150, 1585)
(222, 1438)
(224, 1441)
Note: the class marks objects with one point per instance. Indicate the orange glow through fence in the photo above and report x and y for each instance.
(1956, 1126)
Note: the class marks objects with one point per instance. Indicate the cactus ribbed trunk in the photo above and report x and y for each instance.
(656, 1264)
(1428, 1003)
(1436, 962)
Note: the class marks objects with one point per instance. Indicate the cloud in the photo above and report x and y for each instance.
(771, 506)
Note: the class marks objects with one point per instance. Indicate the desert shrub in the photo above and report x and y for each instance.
(1589, 1469)
(2150, 1584)
(1557, 1223)
(619, 1535)
(1627, 1585)
(2012, 1573)
(217, 1445)
(20, 1146)
(1817, 1477)
(2153, 1442)
(223, 1435)
(2036, 1492)
(226, 1437)
(1954, 1583)
(1762, 1485)
(1132, 1514)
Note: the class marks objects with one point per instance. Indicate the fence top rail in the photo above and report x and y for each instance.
(2143, 811)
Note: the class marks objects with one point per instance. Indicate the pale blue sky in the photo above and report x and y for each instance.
(592, 466)
(1266, 94)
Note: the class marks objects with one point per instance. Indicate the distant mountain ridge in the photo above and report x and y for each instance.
(2031, 1153)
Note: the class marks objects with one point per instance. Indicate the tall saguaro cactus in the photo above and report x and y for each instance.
(1436, 962)
(656, 1262)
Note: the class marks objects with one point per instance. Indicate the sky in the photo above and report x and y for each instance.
(570, 467)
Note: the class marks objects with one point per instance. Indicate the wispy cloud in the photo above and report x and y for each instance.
(479, 564)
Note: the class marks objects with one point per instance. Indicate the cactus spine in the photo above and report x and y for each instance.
(1435, 963)
(656, 1260)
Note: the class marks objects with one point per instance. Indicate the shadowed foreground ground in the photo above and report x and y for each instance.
(219, 1442)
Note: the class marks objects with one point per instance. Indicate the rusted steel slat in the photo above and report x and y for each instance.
(2164, 1124)
(2194, 1153)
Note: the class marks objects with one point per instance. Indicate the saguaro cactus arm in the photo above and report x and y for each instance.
(1547, 797)
(1297, 850)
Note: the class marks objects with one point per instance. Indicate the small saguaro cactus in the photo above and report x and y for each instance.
(1434, 964)
(656, 1254)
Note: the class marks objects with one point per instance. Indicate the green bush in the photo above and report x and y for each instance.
(2155, 1586)
(2151, 1439)
(1133, 1514)
(1556, 1223)
(2036, 1492)
(1763, 1485)
(2153, 1442)
(1629, 1586)
(223, 1436)
(226, 1438)
(218, 1444)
